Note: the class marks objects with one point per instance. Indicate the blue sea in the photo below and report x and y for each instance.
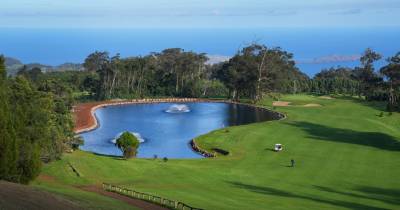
(313, 48)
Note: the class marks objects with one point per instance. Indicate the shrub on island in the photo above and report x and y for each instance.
(128, 144)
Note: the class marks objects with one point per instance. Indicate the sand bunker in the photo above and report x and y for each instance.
(312, 105)
(326, 97)
(287, 103)
(281, 103)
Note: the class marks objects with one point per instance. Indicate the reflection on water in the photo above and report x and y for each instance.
(242, 114)
(166, 134)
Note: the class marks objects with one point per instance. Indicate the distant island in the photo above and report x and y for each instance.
(13, 65)
(331, 59)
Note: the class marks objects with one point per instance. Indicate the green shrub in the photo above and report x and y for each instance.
(128, 144)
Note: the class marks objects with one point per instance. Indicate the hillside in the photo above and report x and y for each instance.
(13, 65)
(20, 197)
(12, 61)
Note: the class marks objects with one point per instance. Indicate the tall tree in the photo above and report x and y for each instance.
(366, 74)
(95, 61)
(392, 74)
(8, 146)
(257, 70)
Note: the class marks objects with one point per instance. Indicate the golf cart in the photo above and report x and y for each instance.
(278, 147)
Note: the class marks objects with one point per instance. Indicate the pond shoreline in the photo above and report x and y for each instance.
(86, 120)
(84, 114)
(208, 154)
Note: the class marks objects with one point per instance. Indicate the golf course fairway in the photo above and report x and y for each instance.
(346, 153)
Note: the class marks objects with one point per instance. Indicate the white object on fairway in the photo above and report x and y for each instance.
(278, 147)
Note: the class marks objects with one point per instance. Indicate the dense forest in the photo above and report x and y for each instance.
(253, 72)
(36, 123)
(174, 72)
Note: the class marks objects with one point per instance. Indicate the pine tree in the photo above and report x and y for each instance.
(8, 147)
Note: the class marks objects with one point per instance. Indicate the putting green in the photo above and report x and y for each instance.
(346, 157)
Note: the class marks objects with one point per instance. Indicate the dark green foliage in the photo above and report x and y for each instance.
(33, 74)
(8, 146)
(213, 88)
(366, 74)
(3, 72)
(35, 124)
(128, 144)
(335, 81)
(254, 72)
(363, 81)
(257, 70)
(95, 61)
(173, 72)
(76, 142)
(392, 85)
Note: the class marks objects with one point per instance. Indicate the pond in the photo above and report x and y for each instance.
(165, 129)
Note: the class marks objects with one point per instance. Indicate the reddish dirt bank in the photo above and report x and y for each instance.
(16, 196)
(83, 117)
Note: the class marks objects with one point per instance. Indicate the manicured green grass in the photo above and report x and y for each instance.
(347, 157)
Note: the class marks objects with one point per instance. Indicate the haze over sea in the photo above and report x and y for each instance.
(313, 48)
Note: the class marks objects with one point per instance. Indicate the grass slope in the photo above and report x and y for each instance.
(17, 196)
(347, 157)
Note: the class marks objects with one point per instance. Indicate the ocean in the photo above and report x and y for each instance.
(313, 48)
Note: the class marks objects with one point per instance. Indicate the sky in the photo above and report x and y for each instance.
(198, 13)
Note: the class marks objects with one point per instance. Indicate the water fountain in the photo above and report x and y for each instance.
(178, 108)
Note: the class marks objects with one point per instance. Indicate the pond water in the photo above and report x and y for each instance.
(166, 128)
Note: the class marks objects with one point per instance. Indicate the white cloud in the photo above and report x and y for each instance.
(199, 13)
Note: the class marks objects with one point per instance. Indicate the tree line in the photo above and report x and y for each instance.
(363, 81)
(253, 72)
(172, 72)
(35, 124)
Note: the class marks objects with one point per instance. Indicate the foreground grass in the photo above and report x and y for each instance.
(347, 157)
